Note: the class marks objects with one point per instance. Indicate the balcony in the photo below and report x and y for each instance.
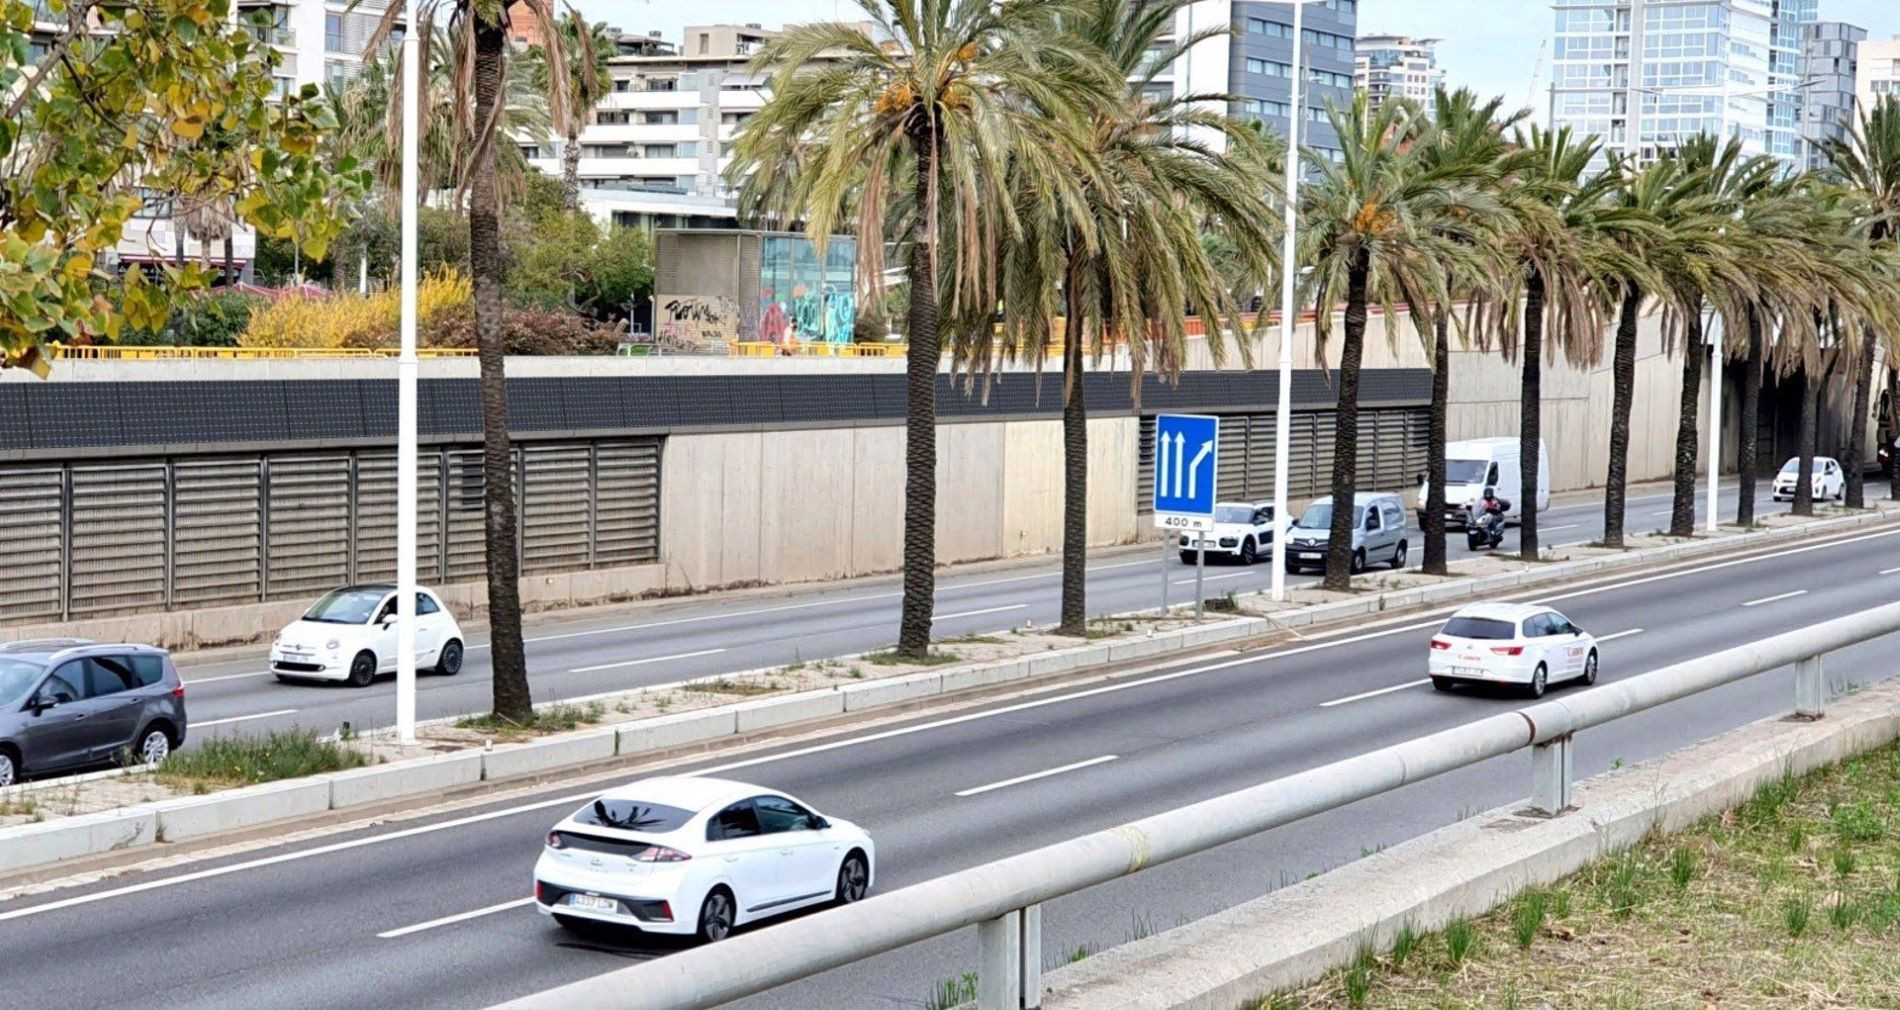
(650, 100)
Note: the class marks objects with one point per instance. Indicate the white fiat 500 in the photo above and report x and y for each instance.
(697, 857)
(350, 635)
(1511, 643)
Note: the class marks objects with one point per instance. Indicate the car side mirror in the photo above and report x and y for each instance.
(818, 823)
(39, 704)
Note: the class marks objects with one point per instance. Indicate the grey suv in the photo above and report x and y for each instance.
(68, 703)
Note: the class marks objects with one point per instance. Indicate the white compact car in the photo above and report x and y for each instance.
(1511, 643)
(350, 635)
(1242, 530)
(697, 857)
(1830, 482)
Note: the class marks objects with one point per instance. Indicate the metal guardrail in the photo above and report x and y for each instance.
(1003, 899)
(117, 352)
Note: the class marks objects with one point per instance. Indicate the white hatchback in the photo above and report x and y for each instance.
(350, 635)
(1829, 480)
(1511, 643)
(697, 856)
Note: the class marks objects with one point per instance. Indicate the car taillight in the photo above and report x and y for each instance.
(1439, 643)
(1508, 650)
(541, 893)
(661, 854)
(666, 911)
(555, 841)
(179, 691)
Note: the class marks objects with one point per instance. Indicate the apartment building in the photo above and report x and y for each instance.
(1830, 59)
(1397, 66)
(1645, 74)
(1877, 73)
(1255, 64)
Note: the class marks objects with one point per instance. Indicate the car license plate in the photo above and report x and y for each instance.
(1467, 671)
(593, 903)
(1310, 555)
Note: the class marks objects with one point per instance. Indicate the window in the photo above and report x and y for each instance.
(1269, 29)
(109, 675)
(1393, 518)
(1483, 628)
(388, 611)
(664, 118)
(1240, 514)
(149, 669)
(17, 677)
(737, 821)
(333, 33)
(778, 814)
(1372, 518)
(1269, 68)
(1537, 626)
(658, 151)
(345, 606)
(65, 685)
(425, 604)
(633, 815)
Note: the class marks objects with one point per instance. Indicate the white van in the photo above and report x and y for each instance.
(1475, 464)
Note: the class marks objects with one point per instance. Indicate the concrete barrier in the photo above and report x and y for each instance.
(25, 845)
(236, 809)
(681, 730)
(895, 691)
(767, 713)
(537, 756)
(360, 786)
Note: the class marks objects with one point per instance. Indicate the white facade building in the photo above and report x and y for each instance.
(1646, 74)
(1878, 73)
(1397, 66)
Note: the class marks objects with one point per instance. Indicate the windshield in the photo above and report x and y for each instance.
(1466, 471)
(1791, 468)
(346, 606)
(632, 815)
(17, 677)
(1480, 627)
(1233, 514)
(1318, 516)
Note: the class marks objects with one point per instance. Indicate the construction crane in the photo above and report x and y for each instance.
(1537, 72)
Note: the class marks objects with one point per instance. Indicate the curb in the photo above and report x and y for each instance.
(31, 845)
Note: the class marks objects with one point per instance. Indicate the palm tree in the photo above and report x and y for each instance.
(1868, 162)
(1379, 224)
(962, 92)
(477, 103)
(588, 47)
(1125, 238)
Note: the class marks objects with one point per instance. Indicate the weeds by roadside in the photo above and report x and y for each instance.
(243, 760)
(892, 658)
(552, 719)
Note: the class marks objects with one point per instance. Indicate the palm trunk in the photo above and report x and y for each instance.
(1854, 459)
(920, 422)
(571, 169)
(1530, 415)
(1747, 444)
(1682, 508)
(512, 698)
(1434, 521)
(1075, 470)
(1623, 383)
(1804, 445)
(1339, 552)
(230, 270)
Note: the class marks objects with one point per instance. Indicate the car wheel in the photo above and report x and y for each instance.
(1248, 553)
(1292, 569)
(715, 916)
(1540, 681)
(1358, 563)
(9, 769)
(363, 669)
(1589, 670)
(1187, 557)
(1398, 555)
(449, 663)
(154, 747)
(1443, 683)
(854, 879)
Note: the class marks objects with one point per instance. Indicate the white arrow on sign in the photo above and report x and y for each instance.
(1161, 466)
(1180, 455)
(1194, 468)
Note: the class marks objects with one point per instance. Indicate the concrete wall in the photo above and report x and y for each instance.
(803, 505)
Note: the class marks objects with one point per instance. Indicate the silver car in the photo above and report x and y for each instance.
(1378, 533)
(68, 704)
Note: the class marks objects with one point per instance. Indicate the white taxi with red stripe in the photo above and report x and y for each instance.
(1511, 643)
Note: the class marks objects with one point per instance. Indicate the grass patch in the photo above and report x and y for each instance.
(892, 657)
(552, 719)
(971, 640)
(743, 688)
(951, 992)
(246, 760)
(1223, 604)
(1790, 900)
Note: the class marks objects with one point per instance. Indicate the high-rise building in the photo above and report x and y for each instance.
(1829, 62)
(1397, 66)
(1646, 74)
(1878, 73)
(1255, 65)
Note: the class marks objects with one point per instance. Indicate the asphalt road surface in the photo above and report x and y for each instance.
(578, 658)
(434, 913)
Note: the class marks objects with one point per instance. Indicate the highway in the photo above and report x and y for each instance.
(578, 657)
(433, 913)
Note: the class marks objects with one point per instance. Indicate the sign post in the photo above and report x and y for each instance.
(1187, 464)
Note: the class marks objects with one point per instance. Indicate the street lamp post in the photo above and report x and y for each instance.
(1282, 415)
(406, 435)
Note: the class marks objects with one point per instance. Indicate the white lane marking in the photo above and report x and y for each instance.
(1213, 578)
(978, 613)
(1553, 529)
(449, 920)
(196, 724)
(1375, 694)
(1779, 596)
(1620, 634)
(228, 676)
(643, 662)
(286, 857)
(1020, 779)
(1889, 571)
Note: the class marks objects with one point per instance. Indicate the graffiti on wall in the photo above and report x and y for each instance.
(806, 315)
(706, 321)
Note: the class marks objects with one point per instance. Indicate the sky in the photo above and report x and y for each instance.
(1489, 46)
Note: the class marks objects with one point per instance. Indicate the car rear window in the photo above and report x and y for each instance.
(1479, 627)
(149, 669)
(632, 815)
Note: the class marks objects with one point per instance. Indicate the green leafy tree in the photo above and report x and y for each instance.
(588, 47)
(172, 97)
(963, 90)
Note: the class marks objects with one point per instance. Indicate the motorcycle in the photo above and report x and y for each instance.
(1486, 532)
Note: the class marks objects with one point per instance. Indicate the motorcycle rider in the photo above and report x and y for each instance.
(1491, 512)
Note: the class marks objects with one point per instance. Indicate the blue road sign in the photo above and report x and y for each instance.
(1187, 451)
